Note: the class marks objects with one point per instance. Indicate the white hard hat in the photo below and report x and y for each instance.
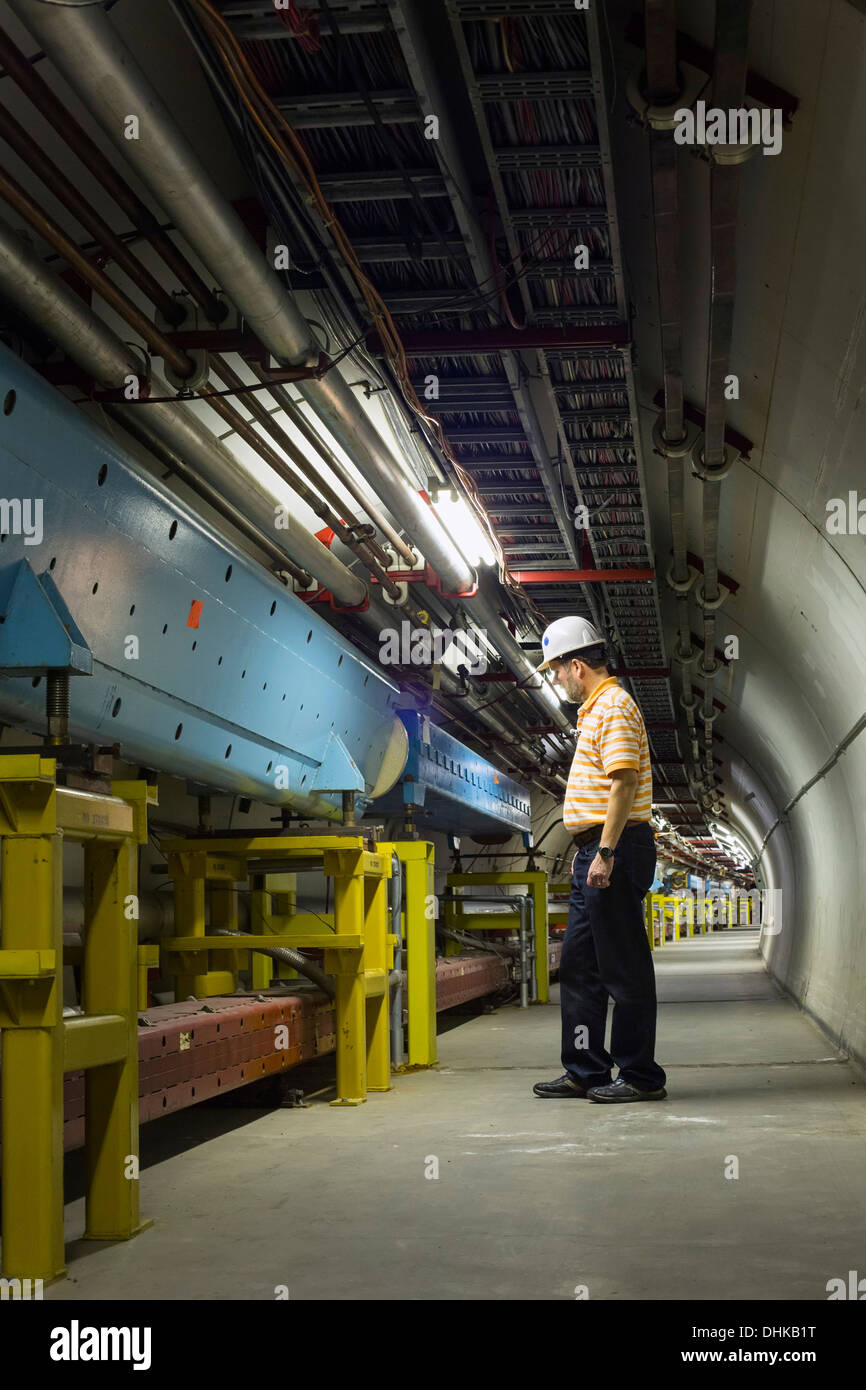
(568, 635)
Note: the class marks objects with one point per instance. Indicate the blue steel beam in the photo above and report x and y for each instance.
(204, 665)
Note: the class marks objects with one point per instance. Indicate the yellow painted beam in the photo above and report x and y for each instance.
(93, 1040)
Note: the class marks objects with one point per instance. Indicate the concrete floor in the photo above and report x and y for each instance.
(533, 1198)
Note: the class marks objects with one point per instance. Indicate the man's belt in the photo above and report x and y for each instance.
(593, 832)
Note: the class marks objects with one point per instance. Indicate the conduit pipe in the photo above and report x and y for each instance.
(287, 955)
(85, 48)
(483, 609)
(49, 302)
(292, 410)
(48, 229)
(62, 188)
(25, 76)
(713, 462)
(671, 436)
(246, 430)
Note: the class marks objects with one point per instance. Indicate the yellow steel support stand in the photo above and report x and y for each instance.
(535, 881)
(416, 857)
(148, 959)
(359, 950)
(31, 1016)
(38, 1045)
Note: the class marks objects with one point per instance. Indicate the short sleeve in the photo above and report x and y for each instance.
(619, 738)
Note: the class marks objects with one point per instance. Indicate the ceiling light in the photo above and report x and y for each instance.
(463, 527)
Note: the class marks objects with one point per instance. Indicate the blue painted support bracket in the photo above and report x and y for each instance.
(37, 630)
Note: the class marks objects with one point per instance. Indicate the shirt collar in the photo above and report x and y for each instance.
(604, 685)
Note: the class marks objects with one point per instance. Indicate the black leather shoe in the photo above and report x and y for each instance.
(620, 1090)
(564, 1087)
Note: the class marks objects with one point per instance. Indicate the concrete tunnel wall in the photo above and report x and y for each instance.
(799, 684)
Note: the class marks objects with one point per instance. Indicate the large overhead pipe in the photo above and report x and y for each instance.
(483, 609)
(83, 45)
(24, 74)
(671, 435)
(51, 304)
(716, 459)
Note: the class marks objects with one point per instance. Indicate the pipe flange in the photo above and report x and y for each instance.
(731, 154)
(198, 356)
(713, 475)
(680, 586)
(682, 658)
(663, 115)
(709, 605)
(401, 597)
(676, 449)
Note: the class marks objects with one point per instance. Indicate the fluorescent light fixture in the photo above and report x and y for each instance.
(466, 532)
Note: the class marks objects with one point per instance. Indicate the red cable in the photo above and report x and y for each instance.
(305, 26)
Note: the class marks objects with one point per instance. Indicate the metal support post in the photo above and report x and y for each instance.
(31, 1016)
(416, 856)
(535, 882)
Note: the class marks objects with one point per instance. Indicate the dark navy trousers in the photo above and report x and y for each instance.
(606, 954)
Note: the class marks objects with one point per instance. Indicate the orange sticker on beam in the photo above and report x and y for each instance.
(195, 612)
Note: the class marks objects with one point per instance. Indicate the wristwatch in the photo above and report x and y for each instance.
(605, 852)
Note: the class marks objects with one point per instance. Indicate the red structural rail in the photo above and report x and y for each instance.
(198, 1049)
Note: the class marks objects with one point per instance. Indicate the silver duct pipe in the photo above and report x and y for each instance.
(287, 955)
(26, 282)
(484, 610)
(729, 87)
(671, 436)
(84, 47)
(524, 950)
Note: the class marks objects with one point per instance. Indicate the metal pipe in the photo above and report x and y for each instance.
(511, 652)
(287, 955)
(368, 551)
(729, 86)
(245, 430)
(662, 87)
(526, 911)
(47, 228)
(291, 408)
(90, 55)
(132, 421)
(63, 122)
(346, 521)
(27, 283)
(56, 181)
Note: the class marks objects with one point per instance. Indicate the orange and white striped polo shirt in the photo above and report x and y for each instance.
(610, 735)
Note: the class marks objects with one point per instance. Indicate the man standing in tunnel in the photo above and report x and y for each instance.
(605, 952)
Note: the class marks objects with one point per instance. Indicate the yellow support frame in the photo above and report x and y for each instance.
(359, 949)
(535, 882)
(38, 1044)
(419, 936)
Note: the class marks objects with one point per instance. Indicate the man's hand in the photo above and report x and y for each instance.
(600, 871)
